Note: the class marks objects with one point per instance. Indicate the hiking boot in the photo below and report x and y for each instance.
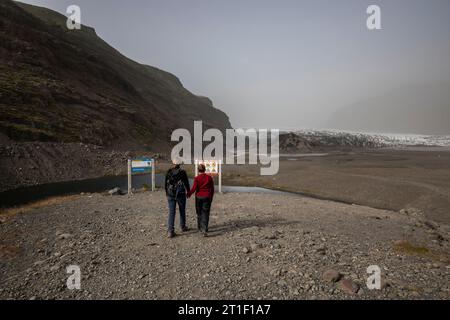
(170, 234)
(185, 229)
(205, 234)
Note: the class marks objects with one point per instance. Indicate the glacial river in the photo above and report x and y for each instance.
(29, 194)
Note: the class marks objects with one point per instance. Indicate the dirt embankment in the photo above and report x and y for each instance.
(33, 163)
(260, 246)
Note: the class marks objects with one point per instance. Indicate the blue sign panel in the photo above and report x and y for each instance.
(141, 165)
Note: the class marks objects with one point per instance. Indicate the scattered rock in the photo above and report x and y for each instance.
(255, 246)
(116, 192)
(282, 283)
(39, 263)
(275, 272)
(54, 268)
(246, 250)
(272, 236)
(348, 286)
(64, 236)
(386, 284)
(331, 276)
(432, 225)
(321, 250)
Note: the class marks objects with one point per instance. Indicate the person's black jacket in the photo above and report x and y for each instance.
(178, 174)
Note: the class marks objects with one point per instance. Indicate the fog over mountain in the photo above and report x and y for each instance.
(421, 109)
(290, 63)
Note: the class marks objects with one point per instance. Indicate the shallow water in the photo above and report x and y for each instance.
(302, 155)
(29, 194)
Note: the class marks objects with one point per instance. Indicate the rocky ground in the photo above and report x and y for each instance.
(260, 247)
(386, 179)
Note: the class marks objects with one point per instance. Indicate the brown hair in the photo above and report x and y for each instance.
(201, 168)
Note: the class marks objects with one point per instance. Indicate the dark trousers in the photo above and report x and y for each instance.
(181, 200)
(202, 207)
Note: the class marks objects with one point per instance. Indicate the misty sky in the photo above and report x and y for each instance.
(278, 64)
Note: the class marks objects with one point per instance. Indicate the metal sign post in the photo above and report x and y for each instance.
(213, 168)
(220, 176)
(129, 176)
(141, 165)
(153, 174)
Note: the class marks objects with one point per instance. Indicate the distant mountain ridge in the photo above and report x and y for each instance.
(71, 86)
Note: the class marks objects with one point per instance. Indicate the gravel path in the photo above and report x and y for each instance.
(261, 247)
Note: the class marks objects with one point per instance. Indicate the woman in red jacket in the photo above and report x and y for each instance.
(204, 193)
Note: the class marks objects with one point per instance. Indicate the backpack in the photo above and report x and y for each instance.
(175, 185)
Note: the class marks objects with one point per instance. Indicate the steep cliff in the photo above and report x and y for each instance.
(69, 86)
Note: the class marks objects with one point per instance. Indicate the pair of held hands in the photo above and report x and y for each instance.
(189, 195)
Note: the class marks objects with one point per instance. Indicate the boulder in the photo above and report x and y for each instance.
(116, 192)
(331, 276)
(348, 286)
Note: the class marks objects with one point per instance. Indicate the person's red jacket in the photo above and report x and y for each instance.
(203, 186)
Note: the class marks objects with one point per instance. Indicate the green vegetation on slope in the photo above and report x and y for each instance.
(71, 86)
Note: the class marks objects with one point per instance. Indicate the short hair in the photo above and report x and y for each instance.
(201, 168)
